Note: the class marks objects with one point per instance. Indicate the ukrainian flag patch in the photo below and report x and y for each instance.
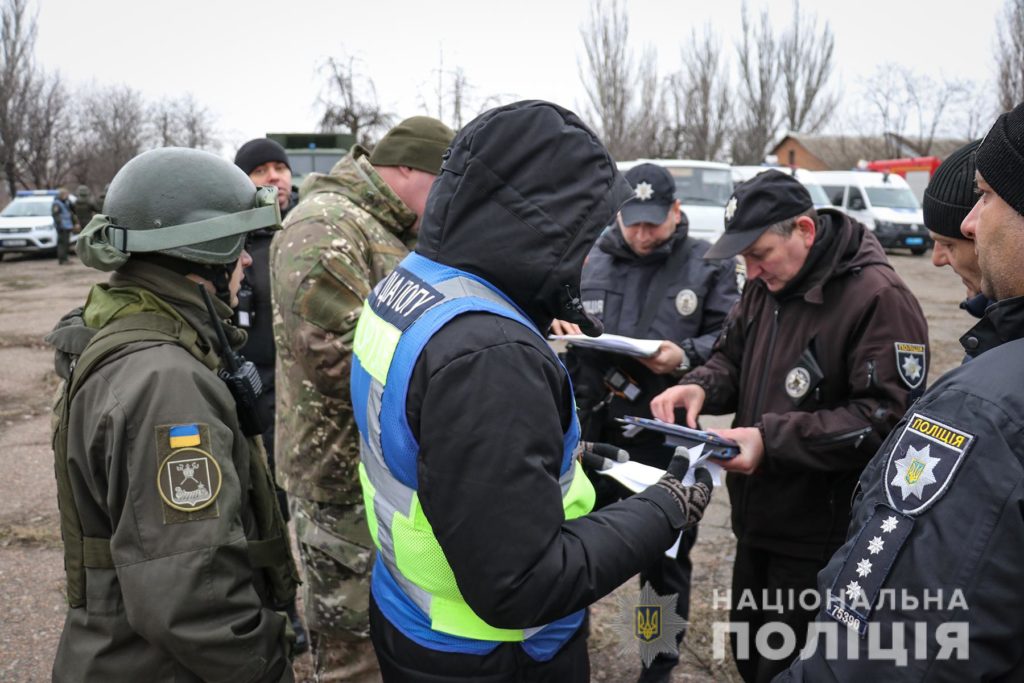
(184, 436)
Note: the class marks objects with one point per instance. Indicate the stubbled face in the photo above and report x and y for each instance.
(776, 259)
(235, 283)
(998, 234)
(958, 254)
(644, 238)
(277, 174)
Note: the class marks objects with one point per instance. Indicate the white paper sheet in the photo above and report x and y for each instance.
(613, 343)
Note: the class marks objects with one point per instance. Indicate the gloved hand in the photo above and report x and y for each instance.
(600, 456)
(692, 500)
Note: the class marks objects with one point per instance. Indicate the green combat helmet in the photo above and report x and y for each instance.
(180, 203)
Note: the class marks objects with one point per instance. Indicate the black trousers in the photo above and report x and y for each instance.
(63, 245)
(404, 661)
(784, 578)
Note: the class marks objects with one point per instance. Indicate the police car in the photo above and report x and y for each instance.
(26, 224)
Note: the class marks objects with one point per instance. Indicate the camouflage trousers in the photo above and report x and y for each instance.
(337, 555)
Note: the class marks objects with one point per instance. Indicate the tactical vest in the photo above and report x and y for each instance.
(269, 552)
(412, 581)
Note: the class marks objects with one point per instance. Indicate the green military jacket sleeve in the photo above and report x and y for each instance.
(158, 464)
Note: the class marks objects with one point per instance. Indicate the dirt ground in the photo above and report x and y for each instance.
(35, 292)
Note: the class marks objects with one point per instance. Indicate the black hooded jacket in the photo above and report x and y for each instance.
(522, 196)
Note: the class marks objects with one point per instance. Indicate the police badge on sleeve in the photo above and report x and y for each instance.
(922, 463)
(910, 363)
(188, 477)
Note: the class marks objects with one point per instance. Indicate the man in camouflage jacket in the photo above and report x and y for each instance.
(349, 230)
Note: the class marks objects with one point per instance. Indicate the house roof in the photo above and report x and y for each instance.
(844, 151)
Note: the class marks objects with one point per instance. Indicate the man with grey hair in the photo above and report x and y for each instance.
(818, 360)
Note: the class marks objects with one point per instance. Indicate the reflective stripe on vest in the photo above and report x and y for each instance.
(413, 582)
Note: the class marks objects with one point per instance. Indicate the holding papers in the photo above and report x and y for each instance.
(613, 343)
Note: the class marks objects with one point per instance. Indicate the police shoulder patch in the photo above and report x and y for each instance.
(188, 477)
(922, 463)
(910, 363)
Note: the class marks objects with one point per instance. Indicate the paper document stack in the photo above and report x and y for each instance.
(613, 343)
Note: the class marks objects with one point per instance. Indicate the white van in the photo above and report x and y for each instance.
(818, 196)
(703, 188)
(883, 202)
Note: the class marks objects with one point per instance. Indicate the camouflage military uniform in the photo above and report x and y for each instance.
(342, 238)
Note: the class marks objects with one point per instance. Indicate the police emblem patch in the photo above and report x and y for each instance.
(649, 621)
(643, 191)
(910, 363)
(922, 463)
(798, 382)
(686, 302)
(730, 209)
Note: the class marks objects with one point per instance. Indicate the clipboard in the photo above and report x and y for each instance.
(678, 435)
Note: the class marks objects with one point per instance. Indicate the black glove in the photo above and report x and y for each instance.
(600, 456)
(692, 500)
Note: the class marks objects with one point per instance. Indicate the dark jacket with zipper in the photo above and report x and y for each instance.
(488, 401)
(690, 310)
(966, 524)
(840, 320)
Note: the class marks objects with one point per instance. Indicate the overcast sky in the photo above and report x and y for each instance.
(256, 64)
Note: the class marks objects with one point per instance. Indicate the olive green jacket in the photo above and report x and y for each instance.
(181, 603)
(345, 235)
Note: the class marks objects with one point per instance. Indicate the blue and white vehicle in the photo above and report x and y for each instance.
(26, 224)
(883, 202)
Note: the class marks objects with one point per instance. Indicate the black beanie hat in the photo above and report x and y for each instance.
(1000, 158)
(950, 196)
(258, 152)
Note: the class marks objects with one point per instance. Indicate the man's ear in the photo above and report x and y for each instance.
(808, 229)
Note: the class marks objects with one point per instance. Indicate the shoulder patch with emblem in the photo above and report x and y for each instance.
(686, 302)
(188, 477)
(922, 463)
(910, 363)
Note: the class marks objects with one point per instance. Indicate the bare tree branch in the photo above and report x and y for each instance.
(706, 107)
(351, 102)
(625, 103)
(806, 55)
(17, 73)
(181, 122)
(758, 119)
(1010, 55)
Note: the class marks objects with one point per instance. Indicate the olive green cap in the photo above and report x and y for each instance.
(418, 142)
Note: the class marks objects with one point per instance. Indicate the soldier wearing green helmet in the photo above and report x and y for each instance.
(176, 555)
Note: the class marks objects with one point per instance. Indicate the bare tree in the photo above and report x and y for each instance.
(912, 108)
(625, 102)
(452, 93)
(17, 73)
(701, 98)
(181, 122)
(806, 62)
(46, 151)
(1010, 55)
(114, 127)
(758, 118)
(351, 102)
